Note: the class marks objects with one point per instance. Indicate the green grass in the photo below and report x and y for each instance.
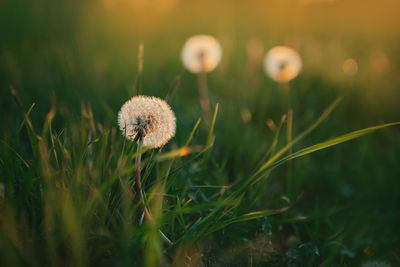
(235, 193)
(74, 197)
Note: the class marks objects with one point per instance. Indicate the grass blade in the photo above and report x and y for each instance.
(181, 152)
(333, 142)
(323, 116)
(246, 217)
(256, 176)
(193, 132)
(211, 132)
(140, 152)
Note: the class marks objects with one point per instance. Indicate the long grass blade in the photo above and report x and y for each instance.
(274, 158)
(181, 152)
(193, 132)
(211, 132)
(333, 142)
(323, 116)
(246, 217)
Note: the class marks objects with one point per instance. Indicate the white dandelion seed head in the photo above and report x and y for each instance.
(282, 63)
(149, 118)
(201, 53)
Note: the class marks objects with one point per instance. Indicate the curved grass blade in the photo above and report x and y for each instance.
(246, 217)
(332, 142)
(211, 132)
(270, 152)
(323, 116)
(177, 153)
(196, 208)
(193, 132)
(274, 158)
(187, 236)
(140, 152)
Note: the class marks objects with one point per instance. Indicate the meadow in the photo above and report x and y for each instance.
(303, 173)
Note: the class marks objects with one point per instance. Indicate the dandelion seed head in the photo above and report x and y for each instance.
(201, 53)
(149, 118)
(282, 63)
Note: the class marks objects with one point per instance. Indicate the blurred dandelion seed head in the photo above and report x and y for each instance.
(149, 118)
(201, 53)
(350, 67)
(282, 63)
(380, 62)
(246, 115)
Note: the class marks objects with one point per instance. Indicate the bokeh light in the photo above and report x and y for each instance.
(350, 67)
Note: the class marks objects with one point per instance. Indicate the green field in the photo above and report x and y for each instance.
(247, 189)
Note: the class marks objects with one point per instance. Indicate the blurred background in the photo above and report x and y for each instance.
(74, 52)
(88, 50)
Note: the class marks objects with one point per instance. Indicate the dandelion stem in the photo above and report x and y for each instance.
(203, 95)
(138, 184)
(284, 90)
